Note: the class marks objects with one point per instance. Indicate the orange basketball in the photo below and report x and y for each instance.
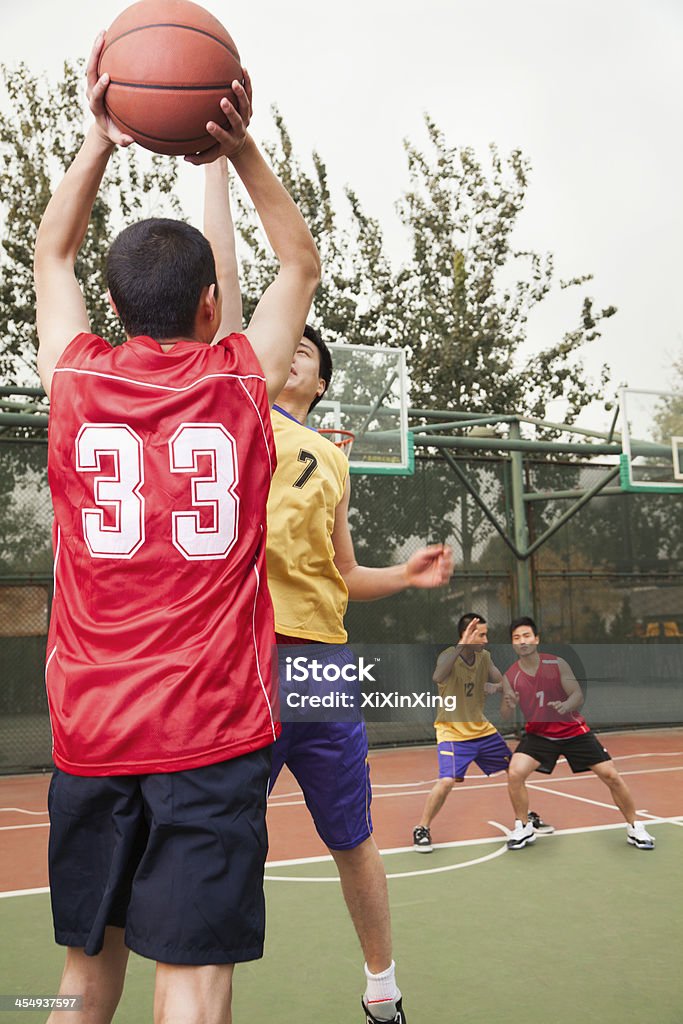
(169, 63)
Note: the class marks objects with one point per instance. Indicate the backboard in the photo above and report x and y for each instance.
(368, 396)
(652, 441)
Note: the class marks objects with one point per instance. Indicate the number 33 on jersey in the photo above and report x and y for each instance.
(115, 528)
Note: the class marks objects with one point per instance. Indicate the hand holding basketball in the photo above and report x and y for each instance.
(231, 139)
(96, 88)
(430, 567)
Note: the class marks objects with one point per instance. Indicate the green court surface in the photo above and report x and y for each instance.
(578, 928)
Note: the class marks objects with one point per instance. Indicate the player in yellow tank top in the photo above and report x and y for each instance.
(312, 572)
(308, 591)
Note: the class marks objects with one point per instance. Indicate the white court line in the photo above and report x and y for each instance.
(464, 788)
(476, 781)
(398, 874)
(573, 796)
(21, 810)
(14, 828)
(459, 788)
(678, 820)
(598, 803)
(23, 892)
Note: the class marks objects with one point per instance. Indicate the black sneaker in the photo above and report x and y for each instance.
(422, 839)
(540, 826)
(398, 1018)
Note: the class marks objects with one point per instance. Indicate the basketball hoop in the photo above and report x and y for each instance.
(341, 438)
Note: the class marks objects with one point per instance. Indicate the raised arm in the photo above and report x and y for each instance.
(60, 306)
(427, 568)
(277, 325)
(444, 664)
(220, 231)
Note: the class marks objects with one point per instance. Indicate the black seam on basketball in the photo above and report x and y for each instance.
(172, 24)
(211, 87)
(158, 138)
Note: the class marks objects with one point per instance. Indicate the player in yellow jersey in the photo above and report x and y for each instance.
(465, 735)
(312, 572)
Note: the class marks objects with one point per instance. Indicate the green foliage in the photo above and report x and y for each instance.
(355, 301)
(462, 302)
(41, 131)
(469, 292)
(668, 420)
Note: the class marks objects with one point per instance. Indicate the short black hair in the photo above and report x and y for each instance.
(523, 620)
(324, 360)
(156, 271)
(464, 621)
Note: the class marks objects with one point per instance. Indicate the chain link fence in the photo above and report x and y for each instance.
(612, 575)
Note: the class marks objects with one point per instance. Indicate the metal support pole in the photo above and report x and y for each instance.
(525, 601)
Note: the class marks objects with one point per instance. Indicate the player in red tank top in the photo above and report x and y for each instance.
(549, 697)
(158, 664)
(539, 695)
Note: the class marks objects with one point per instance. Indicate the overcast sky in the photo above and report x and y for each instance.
(590, 90)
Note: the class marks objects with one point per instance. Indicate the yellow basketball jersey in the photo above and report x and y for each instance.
(309, 595)
(466, 684)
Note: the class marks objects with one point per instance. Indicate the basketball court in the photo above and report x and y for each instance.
(487, 929)
(578, 926)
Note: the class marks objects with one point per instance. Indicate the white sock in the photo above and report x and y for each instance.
(382, 992)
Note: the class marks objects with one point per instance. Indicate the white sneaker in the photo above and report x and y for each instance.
(637, 836)
(521, 835)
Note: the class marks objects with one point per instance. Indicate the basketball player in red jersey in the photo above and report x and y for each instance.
(158, 663)
(549, 696)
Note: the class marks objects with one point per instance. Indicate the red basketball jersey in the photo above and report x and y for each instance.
(159, 463)
(536, 692)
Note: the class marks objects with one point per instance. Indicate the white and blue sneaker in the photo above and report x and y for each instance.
(637, 836)
(521, 835)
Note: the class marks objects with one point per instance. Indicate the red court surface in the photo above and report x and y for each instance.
(650, 761)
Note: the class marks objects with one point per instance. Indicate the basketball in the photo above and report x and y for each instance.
(169, 62)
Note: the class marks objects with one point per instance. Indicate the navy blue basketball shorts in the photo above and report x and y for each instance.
(176, 859)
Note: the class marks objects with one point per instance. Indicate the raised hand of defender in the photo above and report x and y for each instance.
(229, 141)
(430, 567)
(470, 637)
(96, 88)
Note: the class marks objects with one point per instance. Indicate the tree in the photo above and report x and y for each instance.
(40, 135)
(668, 418)
(462, 302)
(469, 291)
(356, 301)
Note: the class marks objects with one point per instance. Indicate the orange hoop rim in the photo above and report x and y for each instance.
(345, 437)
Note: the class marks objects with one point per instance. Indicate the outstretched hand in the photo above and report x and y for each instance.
(511, 697)
(96, 88)
(229, 141)
(430, 567)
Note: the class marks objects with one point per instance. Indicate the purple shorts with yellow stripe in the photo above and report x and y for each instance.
(330, 762)
(490, 753)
